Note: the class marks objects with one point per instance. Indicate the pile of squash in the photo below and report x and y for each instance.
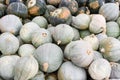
(59, 40)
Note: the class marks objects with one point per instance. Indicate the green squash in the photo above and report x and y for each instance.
(100, 69)
(112, 29)
(36, 7)
(110, 11)
(84, 33)
(101, 36)
(115, 72)
(93, 40)
(2, 9)
(9, 44)
(1, 1)
(18, 9)
(81, 21)
(110, 47)
(27, 30)
(68, 71)
(25, 68)
(39, 76)
(76, 34)
(72, 5)
(10, 23)
(26, 50)
(80, 52)
(41, 37)
(97, 24)
(61, 15)
(44, 55)
(97, 55)
(7, 64)
(41, 21)
(63, 34)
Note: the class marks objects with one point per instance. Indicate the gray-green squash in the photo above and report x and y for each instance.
(112, 29)
(49, 57)
(10, 23)
(68, 71)
(101, 36)
(81, 21)
(41, 37)
(20, 40)
(110, 48)
(51, 8)
(41, 21)
(27, 31)
(80, 52)
(100, 69)
(76, 34)
(25, 68)
(39, 76)
(93, 40)
(97, 55)
(7, 64)
(84, 33)
(2, 9)
(9, 44)
(97, 24)
(63, 34)
(110, 11)
(115, 72)
(26, 50)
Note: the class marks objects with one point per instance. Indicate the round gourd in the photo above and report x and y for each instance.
(10, 23)
(41, 21)
(115, 72)
(7, 64)
(25, 68)
(51, 8)
(39, 76)
(101, 36)
(93, 40)
(36, 7)
(59, 16)
(2, 9)
(44, 55)
(41, 37)
(69, 71)
(100, 69)
(51, 30)
(9, 44)
(97, 55)
(27, 30)
(26, 50)
(76, 34)
(18, 9)
(63, 34)
(53, 2)
(84, 33)
(112, 29)
(110, 47)
(110, 11)
(72, 5)
(81, 21)
(79, 52)
(97, 24)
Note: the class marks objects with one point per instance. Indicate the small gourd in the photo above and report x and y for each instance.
(112, 29)
(81, 21)
(27, 30)
(7, 64)
(36, 7)
(9, 44)
(72, 5)
(68, 71)
(18, 9)
(101, 36)
(84, 33)
(93, 40)
(10, 23)
(59, 16)
(110, 48)
(41, 21)
(100, 69)
(25, 68)
(26, 50)
(51, 30)
(80, 52)
(53, 2)
(63, 34)
(41, 37)
(76, 34)
(97, 24)
(110, 11)
(44, 55)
